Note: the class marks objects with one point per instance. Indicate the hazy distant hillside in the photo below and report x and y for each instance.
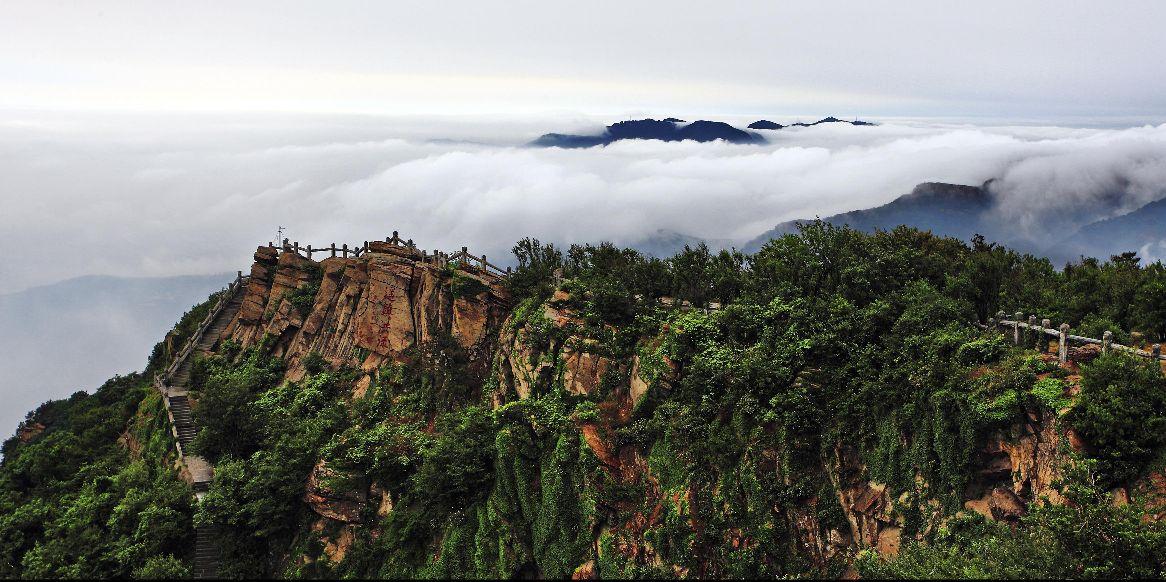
(1143, 230)
(944, 209)
(665, 243)
(73, 335)
(963, 211)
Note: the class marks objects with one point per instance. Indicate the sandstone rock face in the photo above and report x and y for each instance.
(368, 310)
(345, 507)
(1152, 491)
(638, 386)
(866, 504)
(256, 294)
(336, 545)
(29, 431)
(583, 371)
(1025, 461)
(1084, 354)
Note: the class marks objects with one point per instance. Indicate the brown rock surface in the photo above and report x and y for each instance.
(345, 506)
(368, 309)
(582, 371)
(29, 431)
(1034, 458)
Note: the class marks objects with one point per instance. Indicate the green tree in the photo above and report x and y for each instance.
(1115, 389)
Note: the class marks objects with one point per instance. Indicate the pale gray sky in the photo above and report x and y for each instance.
(1024, 59)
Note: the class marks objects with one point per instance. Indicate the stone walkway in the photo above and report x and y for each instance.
(175, 391)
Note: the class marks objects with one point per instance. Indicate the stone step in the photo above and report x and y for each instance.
(206, 553)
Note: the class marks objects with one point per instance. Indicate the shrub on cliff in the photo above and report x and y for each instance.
(537, 263)
(1121, 413)
(1090, 536)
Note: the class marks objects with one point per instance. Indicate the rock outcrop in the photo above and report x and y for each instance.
(367, 310)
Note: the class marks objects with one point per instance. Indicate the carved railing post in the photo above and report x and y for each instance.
(1045, 324)
(1016, 328)
(1106, 341)
(1063, 349)
(1032, 329)
(1156, 352)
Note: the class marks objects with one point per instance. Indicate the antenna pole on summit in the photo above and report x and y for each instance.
(279, 233)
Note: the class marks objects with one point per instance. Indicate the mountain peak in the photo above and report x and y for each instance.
(670, 129)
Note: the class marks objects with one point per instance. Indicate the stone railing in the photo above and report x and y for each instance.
(459, 259)
(1038, 333)
(221, 304)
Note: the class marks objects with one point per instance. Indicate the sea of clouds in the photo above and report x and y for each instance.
(153, 195)
(162, 195)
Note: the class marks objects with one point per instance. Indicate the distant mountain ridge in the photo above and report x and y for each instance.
(963, 211)
(946, 209)
(670, 129)
(666, 243)
(767, 124)
(1135, 231)
(673, 129)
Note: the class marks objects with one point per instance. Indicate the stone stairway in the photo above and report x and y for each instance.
(175, 389)
(206, 553)
(206, 343)
(180, 409)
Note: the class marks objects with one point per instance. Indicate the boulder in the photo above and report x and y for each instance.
(342, 506)
(266, 255)
(387, 248)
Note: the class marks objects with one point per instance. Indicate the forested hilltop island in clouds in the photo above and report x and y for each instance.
(618, 290)
(673, 129)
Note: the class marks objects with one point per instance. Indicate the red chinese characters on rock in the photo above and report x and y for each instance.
(384, 319)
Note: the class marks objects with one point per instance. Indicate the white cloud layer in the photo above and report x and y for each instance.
(142, 195)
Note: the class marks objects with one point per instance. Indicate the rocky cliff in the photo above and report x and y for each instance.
(832, 411)
(368, 310)
(387, 306)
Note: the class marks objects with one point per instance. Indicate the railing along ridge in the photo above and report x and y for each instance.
(460, 259)
(1064, 338)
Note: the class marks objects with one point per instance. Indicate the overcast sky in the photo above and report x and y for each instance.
(1044, 60)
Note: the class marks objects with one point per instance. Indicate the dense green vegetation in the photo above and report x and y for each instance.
(834, 357)
(91, 492)
(1089, 537)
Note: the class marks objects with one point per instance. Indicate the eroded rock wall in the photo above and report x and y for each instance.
(368, 310)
